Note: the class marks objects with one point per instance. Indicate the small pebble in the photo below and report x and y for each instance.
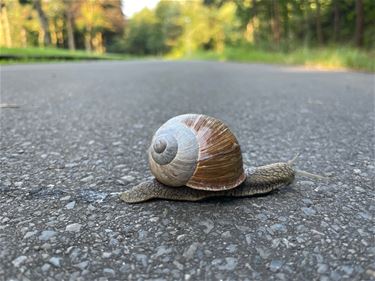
(278, 227)
(347, 269)
(230, 263)
(357, 171)
(309, 211)
(181, 237)
(360, 189)
(74, 227)
(55, 261)
(82, 265)
(307, 202)
(275, 265)
(162, 250)
(208, 224)
(178, 265)
(107, 255)
(46, 235)
(18, 261)
(322, 268)
(29, 234)
(109, 271)
(128, 178)
(261, 217)
(190, 251)
(142, 259)
(226, 234)
(121, 166)
(87, 179)
(335, 276)
(46, 267)
(70, 205)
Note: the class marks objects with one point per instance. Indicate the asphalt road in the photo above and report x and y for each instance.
(80, 134)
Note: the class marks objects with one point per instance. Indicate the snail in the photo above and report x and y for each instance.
(195, 156)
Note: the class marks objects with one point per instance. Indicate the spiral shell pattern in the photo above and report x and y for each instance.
(197, 151)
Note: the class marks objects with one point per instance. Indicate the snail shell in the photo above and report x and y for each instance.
(197, 151)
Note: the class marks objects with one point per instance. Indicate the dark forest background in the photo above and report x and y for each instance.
(185, 28)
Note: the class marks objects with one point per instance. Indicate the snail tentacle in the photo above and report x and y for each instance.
(304, 173)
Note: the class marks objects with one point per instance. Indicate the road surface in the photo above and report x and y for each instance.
(80, 135)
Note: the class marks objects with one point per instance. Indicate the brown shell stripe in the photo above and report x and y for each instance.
(219, 164)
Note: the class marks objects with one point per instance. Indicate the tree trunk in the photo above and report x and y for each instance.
(336, 20)
(24, 37)
(306, 16)
(70, 29)
(41, 38)
(6, 26)
(59, 32)
(97, 43)
(276, 22)
(43, 22)
(254, 9)
(359, 26)
(254, 12)
(88, 39)
(250, 26)
(319, 34)
(53, 34)
(286, 20)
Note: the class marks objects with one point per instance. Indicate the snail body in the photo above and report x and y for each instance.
(260, 180)
(194, 157)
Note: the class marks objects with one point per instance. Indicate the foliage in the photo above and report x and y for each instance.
(32, 54)
(222, 28)
(142, 34)
(325, 58)
(66, 23)
(183, 28)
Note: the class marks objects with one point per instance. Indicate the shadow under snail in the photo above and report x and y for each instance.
(194, 156)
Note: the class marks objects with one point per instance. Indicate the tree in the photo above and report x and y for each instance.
(168, 16)
(318, 23)
(336, 20)
(91, 21)
(285, 19)
(359, 26)
(115, 21)
(140, 34)
(276, 22)
(43, 22)
(5, 26)
(70, 12)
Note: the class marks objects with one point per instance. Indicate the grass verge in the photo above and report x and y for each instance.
(322, 58)
(25, 55)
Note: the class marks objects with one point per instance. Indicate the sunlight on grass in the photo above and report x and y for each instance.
(323, 58)
(16, 55)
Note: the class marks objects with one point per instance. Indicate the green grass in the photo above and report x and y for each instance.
(323, 58)
(25, 55)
